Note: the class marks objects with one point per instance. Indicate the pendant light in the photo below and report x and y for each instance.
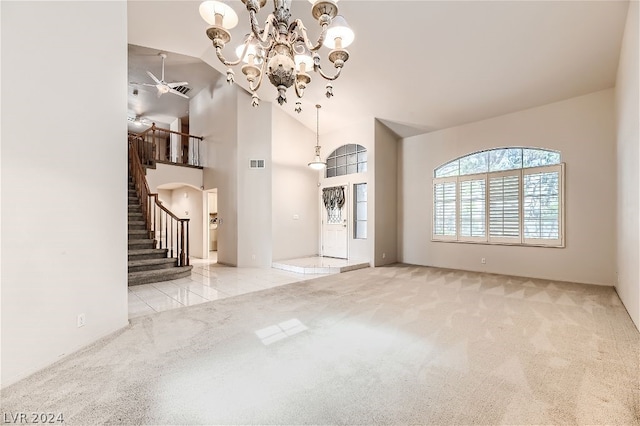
(317, 163)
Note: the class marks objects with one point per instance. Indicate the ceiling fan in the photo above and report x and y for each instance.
(162, 86)
(139, 121)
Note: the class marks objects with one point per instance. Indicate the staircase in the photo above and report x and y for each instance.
(147, 264)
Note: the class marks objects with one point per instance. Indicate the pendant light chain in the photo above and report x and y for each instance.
(318, 125)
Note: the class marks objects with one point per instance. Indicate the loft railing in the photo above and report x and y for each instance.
(166, 229)
(158, 145)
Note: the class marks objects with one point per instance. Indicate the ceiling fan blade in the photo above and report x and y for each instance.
(153, 77)
(180, 83)
(175, 92)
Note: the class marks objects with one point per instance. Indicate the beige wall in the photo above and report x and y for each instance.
(583, 130)
(165, 197)
(254, 185)
(386, 190)
(213, 114)
(64, 220)
(628, 157)
(295, 214)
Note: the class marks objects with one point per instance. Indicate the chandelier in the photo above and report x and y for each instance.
(281, 50)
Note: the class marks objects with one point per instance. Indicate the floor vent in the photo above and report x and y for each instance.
(256, 164)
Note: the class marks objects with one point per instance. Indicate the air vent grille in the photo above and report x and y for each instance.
(183, 89)
(256, 164)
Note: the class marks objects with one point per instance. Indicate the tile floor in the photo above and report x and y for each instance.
(209, 281)
(320, 265)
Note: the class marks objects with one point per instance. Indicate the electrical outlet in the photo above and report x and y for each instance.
(384, 255)
(253, 257)
(82, 320)
(296, 217)
(483, 261)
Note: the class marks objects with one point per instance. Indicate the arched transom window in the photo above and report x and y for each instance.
(347, 159)
(501, 196)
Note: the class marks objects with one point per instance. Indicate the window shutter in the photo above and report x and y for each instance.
(444, 209)
(473, 208)
(542, 205)
(504, 207)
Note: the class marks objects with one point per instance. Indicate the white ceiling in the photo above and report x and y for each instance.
(168, 107)
(419, 66)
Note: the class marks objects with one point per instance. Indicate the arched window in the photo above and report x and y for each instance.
(346, 160)
(501, 196)
(497, 160)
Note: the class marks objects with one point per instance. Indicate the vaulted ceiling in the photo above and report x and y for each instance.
(423, 65)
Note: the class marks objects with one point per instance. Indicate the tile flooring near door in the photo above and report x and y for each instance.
(209, 281)
(320, 265)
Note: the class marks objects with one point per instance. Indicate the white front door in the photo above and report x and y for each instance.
(335, 228)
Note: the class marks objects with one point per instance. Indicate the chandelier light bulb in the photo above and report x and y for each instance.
(339, 34)
(251, 50)
(303, 59)
(226, 16)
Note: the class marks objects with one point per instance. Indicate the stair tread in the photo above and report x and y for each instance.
(145, 262)
(177, 269)
(133, 252)
(138, 231)
(158, 275)
(141, 241)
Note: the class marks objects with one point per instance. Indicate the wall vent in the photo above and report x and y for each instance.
(183, 89)
(256, 164)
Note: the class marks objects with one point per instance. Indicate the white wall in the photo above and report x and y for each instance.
(628, 157)
(295, 213)
(361, 133)
(583, 129)
(64, 220)
(186, 203)
(214, 115)
(254, 185)
(167, 174)
(386, 190)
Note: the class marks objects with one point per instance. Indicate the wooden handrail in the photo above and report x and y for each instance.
(153, 210)
(153, 145)
(154, 128)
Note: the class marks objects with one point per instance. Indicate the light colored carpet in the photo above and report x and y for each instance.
(392, 345)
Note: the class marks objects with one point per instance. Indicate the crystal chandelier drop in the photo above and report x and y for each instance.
(281, 50)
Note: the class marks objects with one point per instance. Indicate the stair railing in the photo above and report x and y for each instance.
(155, 145)
(166, 229)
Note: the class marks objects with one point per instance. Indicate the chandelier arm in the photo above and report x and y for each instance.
(318, 69)
(261, 35)
(305, 38)
(228, 63)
